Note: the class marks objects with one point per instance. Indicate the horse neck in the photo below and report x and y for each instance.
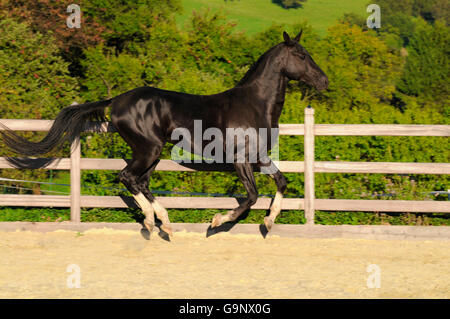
(268, 84)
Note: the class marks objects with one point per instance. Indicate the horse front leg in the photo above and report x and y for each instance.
(269, 168)
(245, 173)
(275, 208)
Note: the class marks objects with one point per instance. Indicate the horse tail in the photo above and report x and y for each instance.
(68, 124)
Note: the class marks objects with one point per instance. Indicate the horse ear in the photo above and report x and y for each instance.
(297, 38)
(286, 37)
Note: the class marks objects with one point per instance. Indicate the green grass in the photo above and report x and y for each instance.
(253, 16)
(58, 177)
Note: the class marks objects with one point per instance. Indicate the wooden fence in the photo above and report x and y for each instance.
(309, 167)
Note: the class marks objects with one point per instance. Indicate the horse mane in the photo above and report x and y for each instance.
(256, 64)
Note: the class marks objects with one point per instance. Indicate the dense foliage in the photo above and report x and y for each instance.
(126, 44)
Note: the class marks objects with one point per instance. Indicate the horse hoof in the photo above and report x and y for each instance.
(268, 222)
(167, 229)
(217, 220)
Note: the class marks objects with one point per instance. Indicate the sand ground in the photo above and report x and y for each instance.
(122, 264)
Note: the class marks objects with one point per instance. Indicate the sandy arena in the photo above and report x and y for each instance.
(122, 264)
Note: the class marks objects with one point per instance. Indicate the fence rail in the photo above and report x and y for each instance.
(285, 129)
(309, 167)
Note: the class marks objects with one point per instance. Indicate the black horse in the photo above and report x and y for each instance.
(146, 117)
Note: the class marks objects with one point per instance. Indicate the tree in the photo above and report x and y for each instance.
(401, 16)
(34, 81)
(131, 21)
(50, 15)
(440, 10)
(117, 23)
(362, 70)
(427, 68)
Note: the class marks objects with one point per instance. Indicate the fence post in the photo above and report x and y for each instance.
(309, 165)
(75, 180)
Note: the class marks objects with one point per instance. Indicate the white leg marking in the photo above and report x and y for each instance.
(143, 202)
(219, 219)
(147, 209)
(227, 216)
(162, 214)
(274, 211)
(276, 205)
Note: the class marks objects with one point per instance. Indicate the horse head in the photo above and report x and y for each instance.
(300, 66)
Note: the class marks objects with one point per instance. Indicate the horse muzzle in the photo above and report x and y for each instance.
(322, 84)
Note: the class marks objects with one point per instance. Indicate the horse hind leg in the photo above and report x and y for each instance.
(129, 178)
(135, 177)
(158, 209)
(147, 209)
(163, 216)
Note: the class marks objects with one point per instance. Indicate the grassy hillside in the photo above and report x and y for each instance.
(256, 15)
